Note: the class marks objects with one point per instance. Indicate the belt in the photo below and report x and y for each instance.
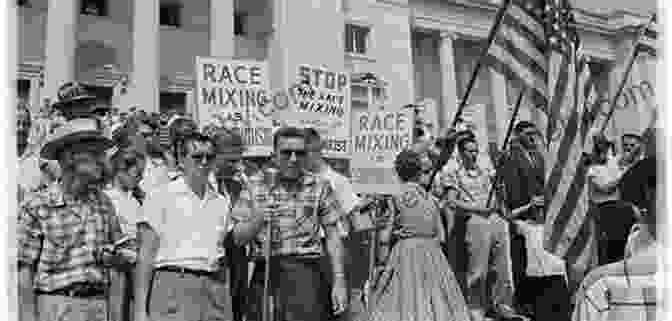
(182, 270)
(78, 290)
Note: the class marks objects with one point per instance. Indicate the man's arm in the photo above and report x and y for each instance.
(29, 247)
(331, 213)
(27, 298)
(148, 245)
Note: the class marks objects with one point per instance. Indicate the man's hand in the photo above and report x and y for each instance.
(538, 201)
(339, 295)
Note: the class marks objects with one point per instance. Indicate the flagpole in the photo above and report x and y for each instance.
(509, 130)
(479, 62)
(633, 56)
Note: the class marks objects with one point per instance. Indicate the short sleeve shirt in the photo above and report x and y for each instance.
(301, 217)
(58, 235)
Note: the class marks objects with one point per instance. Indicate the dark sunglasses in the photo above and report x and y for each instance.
(287, 153)
(200, 157)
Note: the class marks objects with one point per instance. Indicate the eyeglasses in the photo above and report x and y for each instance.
(287, 153)
(205, 156)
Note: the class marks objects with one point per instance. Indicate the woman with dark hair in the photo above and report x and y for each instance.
(613, 217)
(414, 281)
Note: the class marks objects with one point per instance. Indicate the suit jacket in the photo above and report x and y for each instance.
(522, 178)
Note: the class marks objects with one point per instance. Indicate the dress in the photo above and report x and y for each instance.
(417, 283)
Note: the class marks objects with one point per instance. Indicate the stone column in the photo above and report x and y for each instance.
(61, 43)
(190, 103)
(502, 110)
(222, 39)
(144, 84)
(449, 97)
(34, 99)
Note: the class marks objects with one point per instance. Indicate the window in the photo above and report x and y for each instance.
(23, 90)
(239, 22)
(356, 39)
(173, 101)
(169, 14)
(94, 7)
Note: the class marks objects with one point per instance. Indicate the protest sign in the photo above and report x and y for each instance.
(636, 107)
(323, 103)
(377, 137)
(234, 94)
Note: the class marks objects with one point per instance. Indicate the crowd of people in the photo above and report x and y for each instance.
(137, 216)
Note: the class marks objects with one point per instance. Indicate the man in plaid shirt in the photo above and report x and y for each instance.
(307, 276)
(626, 290)
(62, 230)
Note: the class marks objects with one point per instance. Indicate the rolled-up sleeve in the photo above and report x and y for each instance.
(30, 236)
(330, 209)
(152, 212)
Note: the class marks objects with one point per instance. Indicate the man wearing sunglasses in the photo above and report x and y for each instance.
(181, 228)
(303, 211)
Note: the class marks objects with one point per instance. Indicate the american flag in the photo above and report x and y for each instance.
(568, 232)
(519, 47)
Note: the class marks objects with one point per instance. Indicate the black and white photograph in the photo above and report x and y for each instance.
(336, 160)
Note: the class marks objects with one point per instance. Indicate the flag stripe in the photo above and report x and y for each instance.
(567, 142)
(525, 19)
(581, 241)
(522, 29)
(568, 214)
(531, 79)
(559, 96)
(524, 55)
(561, 171)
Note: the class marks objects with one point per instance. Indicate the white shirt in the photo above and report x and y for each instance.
(539, 261)
(156, 174)
(127, 209)
(342, 188)
(190, 229)
(603, 181)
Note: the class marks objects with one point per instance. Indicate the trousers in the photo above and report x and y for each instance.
(488, 249)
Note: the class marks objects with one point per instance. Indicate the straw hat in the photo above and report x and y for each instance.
(77, 131)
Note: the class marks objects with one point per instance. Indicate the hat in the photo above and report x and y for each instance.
(76, 131)
(72, 92)
(74, 101)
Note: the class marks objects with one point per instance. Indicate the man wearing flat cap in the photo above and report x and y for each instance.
(65, 229)
(74, 101)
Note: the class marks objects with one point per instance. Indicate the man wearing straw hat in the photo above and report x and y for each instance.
(64, 230)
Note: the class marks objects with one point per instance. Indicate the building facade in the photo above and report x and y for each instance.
(416, 49)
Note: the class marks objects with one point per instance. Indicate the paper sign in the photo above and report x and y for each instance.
(377, 138)
(323, 103)
(234, 94)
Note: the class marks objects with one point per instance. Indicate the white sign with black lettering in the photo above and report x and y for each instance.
(234, 94)
(377, 138)
(323, 103)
